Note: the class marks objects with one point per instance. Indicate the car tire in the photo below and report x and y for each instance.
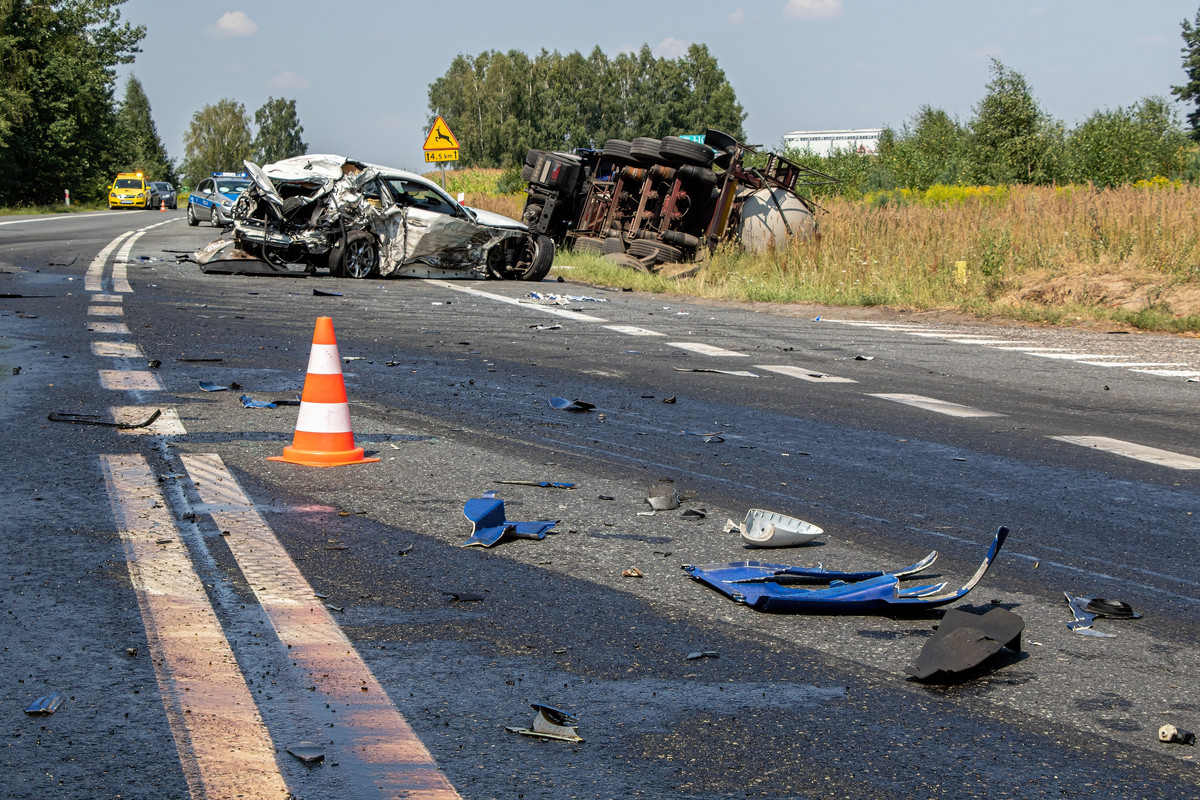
(685, 151)
(191, 216)
(540, 259)
(215, 219)
(356, 256)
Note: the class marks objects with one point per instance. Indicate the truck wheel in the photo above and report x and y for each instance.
(646, 150)
(702, 176)
(627, 261)
(357, 256)
(612, 245)
(617, 150)
(588, 244)
(526, 173)
(538, 257)
(685, 151)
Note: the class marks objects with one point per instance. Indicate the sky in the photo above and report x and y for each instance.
(360, 71)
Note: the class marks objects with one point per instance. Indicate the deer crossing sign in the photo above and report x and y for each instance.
(440, 144)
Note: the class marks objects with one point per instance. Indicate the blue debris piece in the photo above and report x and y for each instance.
(490, 494)
(490, 526)
(563, 404)
(880, 594)
(250, 402)
(46, 705)
(209, 386)
(763, 572)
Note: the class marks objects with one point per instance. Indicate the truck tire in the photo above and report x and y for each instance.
(700, 176)
(588, 244)
(646, 150)
(685, 151)
(531, 157)
(627, 261)
(656, 251)
(681, 239)
(613, 244)
(617, 150)
(526, 173)
(539, 250)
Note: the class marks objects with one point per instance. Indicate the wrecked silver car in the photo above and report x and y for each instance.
(359, 220)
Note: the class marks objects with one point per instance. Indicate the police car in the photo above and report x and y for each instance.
(212, 200)
(129, 190)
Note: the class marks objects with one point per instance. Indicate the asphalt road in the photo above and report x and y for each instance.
(200, 658)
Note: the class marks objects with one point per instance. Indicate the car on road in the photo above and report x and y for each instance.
(129, 190)
(164, 193)
(363, 220)
(213, 198)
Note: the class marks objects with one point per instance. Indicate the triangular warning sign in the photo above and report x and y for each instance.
(440, 137)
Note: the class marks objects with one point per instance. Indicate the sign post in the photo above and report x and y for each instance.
(440, 146)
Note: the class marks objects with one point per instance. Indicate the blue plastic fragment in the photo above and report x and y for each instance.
(490, 526)
(209, 386)
(45, 705)
(563, 404)
(490, 494)
(250, 402)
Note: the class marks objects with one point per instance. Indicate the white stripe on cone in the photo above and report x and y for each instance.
(324, 360)
(324, 418)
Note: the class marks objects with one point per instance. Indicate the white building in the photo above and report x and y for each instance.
(824, 143)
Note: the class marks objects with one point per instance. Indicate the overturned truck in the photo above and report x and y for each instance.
(359, 220)
(647, 202)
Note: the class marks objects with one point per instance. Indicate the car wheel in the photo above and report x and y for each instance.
(215, 219)
(355, 257)
(537, 258)
(191, 216)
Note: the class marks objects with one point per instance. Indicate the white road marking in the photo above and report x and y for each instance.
(1128, 364)
(117, 350)
(939, 406)
(133, 380)
(1035, 349)
(804, 374)
(499, 298)
(62, 217)
(167, 424)
(1074, 356)
(935, 334)
(706, 349)
(868, 324)
(106, 311)
(108, 327)
(370, 730)
(630, 330)
(1171, 373)
(108, 298)
(120, 267)
(222, 742)
(991, 342)
(1140, 452)
(93, 278)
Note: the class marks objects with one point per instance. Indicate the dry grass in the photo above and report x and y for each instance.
(1053, 255)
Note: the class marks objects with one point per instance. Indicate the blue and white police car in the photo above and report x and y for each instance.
(212, 200)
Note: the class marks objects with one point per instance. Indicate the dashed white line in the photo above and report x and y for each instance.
(513, 301)
(167, 424)
(106, 311)
(120, 268)
(1140, 452)
(804, 374)
(93, 278)
(630, 330)
(706, 349)
(1074, 356)
(117, 350)
(121, 380)
(1129, 364)
(1171, 373)
(939, 406)
(109, 327)
(222, 742)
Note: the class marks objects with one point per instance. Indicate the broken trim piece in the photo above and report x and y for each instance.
(94, 419)
(490, 526)
(964, 641)
(551, 723)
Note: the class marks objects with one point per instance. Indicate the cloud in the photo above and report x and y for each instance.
(288, 80)
(737, 17)
(233, 25)
(812, 9)
(672, 48)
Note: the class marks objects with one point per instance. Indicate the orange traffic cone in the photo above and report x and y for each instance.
(323, 437)
(162, 204)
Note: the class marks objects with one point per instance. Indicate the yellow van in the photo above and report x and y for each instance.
(129, 190)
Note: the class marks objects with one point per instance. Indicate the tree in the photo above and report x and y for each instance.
(279, 131)
(927, 150)
(57, 116)
(143, 150)
(1190, 91)
(1012, 139)
(217, 140)
(1111, 148)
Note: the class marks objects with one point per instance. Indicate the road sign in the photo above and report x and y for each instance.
(440, 144)
(435, 156)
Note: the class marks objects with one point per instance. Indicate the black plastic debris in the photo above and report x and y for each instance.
(153, 363)
(16, 370)
(542, 484)
(46, 705)
(693, 513)
(864, 358)
(96, 419)
(293, 402)
(403, 551)
(307, 752)
(669, 400)
(199, 360)
(319, 293)
(1169, 734)
(464, 597)
(1086, 609)
(1114, 609)
(703, 654)
(551, 723)
(577, 406)
(964, 641)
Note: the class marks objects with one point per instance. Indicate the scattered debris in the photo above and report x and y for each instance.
(464, 597)
(864, 358)
(153, 363)
(605, 497)
(319, 293)
(769, 529)
(563, 404)
(632, 572)
(307, 752)
(703, 654)
(543, 484)
(338, 609)
(45, 705)
(131, 652)
(663, 498)
(1169, 734)
(292, 402)
(693, 513)
(95, 419)
(563, 300)
(551, 723)
(490, 526)
(403, 551)
(209, 386)
(554, 327)
(1086, 609)
(199, 360)
(965, 640)
(250, 402)
(16, 370)
(772, 587)
(739, 372)
(669, 400)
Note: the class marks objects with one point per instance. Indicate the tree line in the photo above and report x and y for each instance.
(500, 105)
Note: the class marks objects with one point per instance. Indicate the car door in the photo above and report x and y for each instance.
(435, 226)
(203, 201)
